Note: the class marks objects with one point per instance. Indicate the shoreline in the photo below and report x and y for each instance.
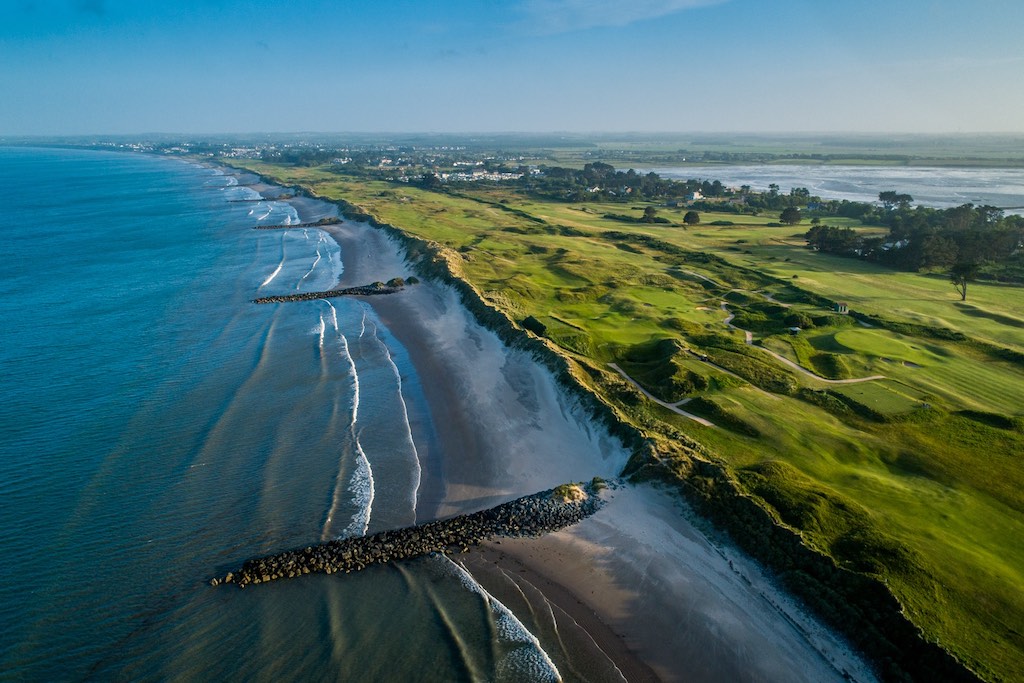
(655, 593)
(448, 488)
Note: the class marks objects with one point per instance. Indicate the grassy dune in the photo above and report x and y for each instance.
(915, 478)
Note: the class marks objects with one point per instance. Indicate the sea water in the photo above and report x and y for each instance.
(158, 428)
(929, 186)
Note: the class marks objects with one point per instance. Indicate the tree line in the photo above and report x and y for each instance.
(599, 181)
(922, 238)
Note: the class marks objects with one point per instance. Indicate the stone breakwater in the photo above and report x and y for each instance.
(533, 515)
(365, 290)
(291, 226)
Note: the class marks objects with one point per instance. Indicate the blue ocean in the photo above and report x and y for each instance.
(158, 428)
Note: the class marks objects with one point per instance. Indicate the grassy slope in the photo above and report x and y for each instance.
(944, 486)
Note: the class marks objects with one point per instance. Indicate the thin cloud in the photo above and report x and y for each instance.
(560, 16)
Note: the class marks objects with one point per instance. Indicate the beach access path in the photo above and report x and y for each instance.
(674, 407)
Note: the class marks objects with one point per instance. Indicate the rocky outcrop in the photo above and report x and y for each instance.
(533, 515)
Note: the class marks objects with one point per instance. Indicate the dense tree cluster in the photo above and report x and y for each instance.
(299, 156)
(775, 200)
(601, 182)
(922, 238)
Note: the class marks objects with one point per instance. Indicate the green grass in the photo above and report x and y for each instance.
(884, 397)
(944, 489)
(992, 312)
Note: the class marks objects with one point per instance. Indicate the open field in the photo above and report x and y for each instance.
(924, 464)
(642, 150)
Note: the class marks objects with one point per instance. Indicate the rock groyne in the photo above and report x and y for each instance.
(364, 290)
(532, 515)
(333, 220)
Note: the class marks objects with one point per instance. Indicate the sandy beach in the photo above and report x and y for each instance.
(689, 610)
(636, 592)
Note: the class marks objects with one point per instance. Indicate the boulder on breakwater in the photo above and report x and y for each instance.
(533, 515)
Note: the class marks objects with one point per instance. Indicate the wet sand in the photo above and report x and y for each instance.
(688, 609)
(635, 592)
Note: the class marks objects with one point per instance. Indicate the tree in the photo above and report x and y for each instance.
(891, 199)
(650, 214)
(790, 216)
(691, 218)
(960, 274)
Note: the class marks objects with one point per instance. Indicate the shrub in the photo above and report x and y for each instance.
(799, 319)
(568, 493)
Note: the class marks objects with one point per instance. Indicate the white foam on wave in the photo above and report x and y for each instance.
(360, 486)
(311, 268)
(361, 489)
(280, 265)
(274, 274)
(291, 216)
(417, 467)
(528, 661)
(235, 193)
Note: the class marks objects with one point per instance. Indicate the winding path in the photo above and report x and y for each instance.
(674, 407)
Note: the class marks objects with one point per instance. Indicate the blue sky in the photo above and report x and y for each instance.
(215, 66)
